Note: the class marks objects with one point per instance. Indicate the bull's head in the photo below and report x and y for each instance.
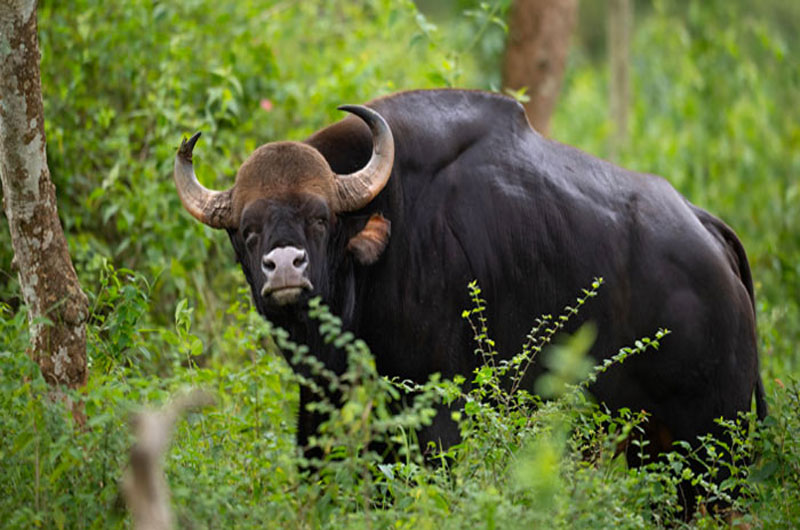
(281, 213)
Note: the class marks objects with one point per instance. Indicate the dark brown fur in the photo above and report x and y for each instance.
(282, 168)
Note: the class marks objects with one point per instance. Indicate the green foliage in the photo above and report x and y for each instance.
(522, 460)
(714, 110)
(777, 475)
(123, 83)
(66, 476)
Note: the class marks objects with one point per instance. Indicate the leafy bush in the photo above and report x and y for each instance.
(522, 459)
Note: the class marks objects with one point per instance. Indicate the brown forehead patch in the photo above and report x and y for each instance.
(282, 168)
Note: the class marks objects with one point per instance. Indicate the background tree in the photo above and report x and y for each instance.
(536, 53)
(620, 18)
(57, 307)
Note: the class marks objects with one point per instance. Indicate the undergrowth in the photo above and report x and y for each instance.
(534, 456)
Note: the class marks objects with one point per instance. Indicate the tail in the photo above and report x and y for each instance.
(738, 260)
(761, 400)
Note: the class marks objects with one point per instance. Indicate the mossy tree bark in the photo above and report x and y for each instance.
(536, 53)
(57, 306)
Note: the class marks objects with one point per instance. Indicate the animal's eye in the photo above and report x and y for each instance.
(250, 236)
(318, 222)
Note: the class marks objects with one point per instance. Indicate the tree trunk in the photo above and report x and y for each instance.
(57, 306)
(620, 19)
(536, 53)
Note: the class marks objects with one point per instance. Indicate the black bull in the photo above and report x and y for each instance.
(476, 194)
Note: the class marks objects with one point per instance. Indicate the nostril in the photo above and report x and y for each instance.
(269, 264)
(300, 260)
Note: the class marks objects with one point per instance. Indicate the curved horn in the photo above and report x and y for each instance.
(213, 208)
(356, 190)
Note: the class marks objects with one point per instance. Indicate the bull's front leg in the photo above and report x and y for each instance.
(308, 423)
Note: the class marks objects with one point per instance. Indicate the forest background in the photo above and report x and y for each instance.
(715, 87)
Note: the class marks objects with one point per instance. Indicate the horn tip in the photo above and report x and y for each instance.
(353, 109)
(369, 115)
(185, 150)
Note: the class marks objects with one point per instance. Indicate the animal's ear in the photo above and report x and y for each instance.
(368, 245)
